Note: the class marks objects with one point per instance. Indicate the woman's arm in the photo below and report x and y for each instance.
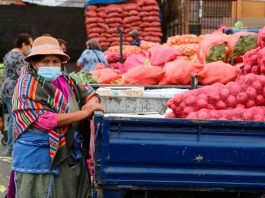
(70, 118)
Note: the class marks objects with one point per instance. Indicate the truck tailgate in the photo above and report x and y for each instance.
(172, 153)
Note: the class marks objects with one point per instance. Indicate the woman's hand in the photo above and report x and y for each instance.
(91, 107)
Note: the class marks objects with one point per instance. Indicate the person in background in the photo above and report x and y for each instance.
(62, 44)
(13, 62)
(48, 106)
(136, 40)
(92, 56)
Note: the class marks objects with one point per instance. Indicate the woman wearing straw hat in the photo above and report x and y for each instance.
(48, 107)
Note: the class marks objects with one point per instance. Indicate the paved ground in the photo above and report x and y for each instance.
(5, 167)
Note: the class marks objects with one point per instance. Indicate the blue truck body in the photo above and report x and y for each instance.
(177, 154)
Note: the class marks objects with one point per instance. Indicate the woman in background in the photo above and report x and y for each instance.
(92, 56)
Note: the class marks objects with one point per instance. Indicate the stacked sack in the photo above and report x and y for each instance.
(143, 15)
(96, 26)
(188, 44)
(151, 26)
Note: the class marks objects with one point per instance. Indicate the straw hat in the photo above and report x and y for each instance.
(47, 45)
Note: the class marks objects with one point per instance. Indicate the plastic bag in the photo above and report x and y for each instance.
(143, 75)
(105, 75)
(179, 72)
(239, 43)
(217, 72)
(161, 54)
(213, 48)
(132, 61)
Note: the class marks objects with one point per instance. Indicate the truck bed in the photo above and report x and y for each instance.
(175, 154)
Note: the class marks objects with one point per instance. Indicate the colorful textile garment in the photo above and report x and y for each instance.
(33, 96)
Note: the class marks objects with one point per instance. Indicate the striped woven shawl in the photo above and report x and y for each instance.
(33, 96)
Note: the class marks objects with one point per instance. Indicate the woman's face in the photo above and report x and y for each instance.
(48, 61)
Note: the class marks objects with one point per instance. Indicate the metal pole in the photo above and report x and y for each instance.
(187, 16)
(121, 54)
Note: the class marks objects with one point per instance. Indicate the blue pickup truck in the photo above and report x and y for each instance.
(157, 154)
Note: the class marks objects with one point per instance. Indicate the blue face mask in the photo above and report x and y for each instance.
(50, 73)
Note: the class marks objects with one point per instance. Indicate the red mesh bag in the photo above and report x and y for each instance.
(102, 14)
(152, 29)
(94, 20)
(150, 8)
(114, 20)
(114, 25)
(114, 57)
(179, 72)
(261, 60)
(155, 24)
(151, 19)
(128, 39)
(101, 39)
(114, 8)
(210, 42)
(150, 2)
(93, 35)
(114, 15)
(152, 39)
(91, 13)
(217, 72)
(92, 7)
(101, 8)
(91, 25)
(103, 25)
(136, 24)
(247, 91)
(170, 115)
(261, 37)
(107, 35)
(112, 30)
(133, 13)
(187, 49)
(161, 54)
(96, 30)
(143, 75)
(153, 13)
(183, 39)
(250, 60)
(143, 14)
(128, 26)
(249, 114)
(105, 44)
(131, 19)
(129, 6)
